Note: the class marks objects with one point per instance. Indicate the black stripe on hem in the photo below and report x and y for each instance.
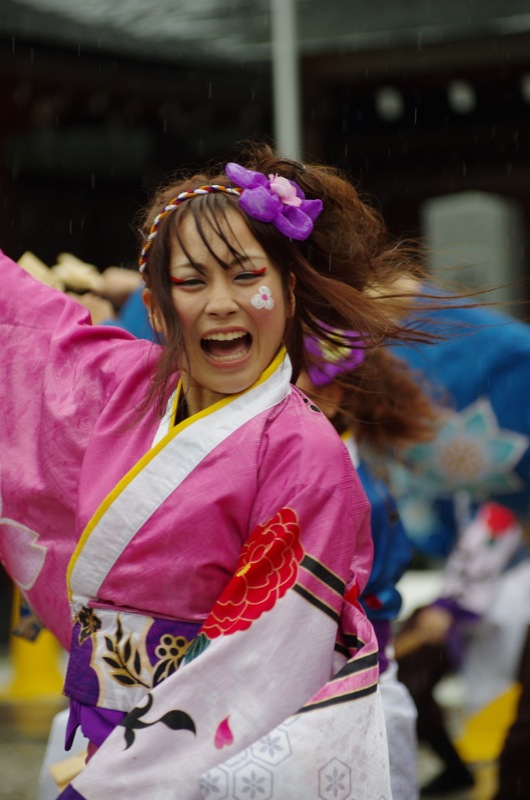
(323, 574)
(351, 641)
(311, 598)
(357, 665)
(343, 698)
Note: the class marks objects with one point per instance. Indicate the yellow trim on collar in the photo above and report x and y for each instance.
(147, 457)
(273, 366)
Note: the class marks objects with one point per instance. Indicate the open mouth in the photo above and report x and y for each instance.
(228, 346)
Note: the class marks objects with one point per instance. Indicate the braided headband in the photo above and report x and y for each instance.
(171, 206)
(274, 199)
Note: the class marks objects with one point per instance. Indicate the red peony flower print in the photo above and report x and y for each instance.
(267, 568)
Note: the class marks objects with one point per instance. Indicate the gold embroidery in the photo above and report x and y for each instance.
(89, 623)
(170, 653)
(124, 659)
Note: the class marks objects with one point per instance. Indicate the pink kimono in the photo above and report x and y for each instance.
(204, 576)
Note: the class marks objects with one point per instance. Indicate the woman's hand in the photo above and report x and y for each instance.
(429, 625)
(432, 624)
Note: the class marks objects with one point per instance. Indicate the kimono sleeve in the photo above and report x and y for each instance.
(57, 372)
(278, 694)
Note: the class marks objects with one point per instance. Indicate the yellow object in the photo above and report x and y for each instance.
(484, 732)
(36, 667)
(63, 772)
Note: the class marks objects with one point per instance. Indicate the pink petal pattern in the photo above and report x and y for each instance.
(223, 735)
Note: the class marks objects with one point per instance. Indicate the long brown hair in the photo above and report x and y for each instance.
(349, 274)
(387, 405)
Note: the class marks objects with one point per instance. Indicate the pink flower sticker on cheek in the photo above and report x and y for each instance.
(263, 298)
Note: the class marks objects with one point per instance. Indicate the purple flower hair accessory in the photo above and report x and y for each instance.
(275, 199)
(330, 360)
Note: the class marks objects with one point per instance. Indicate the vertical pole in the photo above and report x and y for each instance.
(285, 72)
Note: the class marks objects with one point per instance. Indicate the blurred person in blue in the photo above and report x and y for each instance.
(480, 372)
(464, 498)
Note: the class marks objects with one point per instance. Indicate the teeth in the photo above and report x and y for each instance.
(225, 337)
(234, 357)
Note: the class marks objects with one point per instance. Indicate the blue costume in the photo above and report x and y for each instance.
(133, 317)
(392, 552)
(482, 368)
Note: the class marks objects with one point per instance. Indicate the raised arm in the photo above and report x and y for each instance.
(57, 373)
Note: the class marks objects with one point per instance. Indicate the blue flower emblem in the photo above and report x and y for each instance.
(470, 453)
